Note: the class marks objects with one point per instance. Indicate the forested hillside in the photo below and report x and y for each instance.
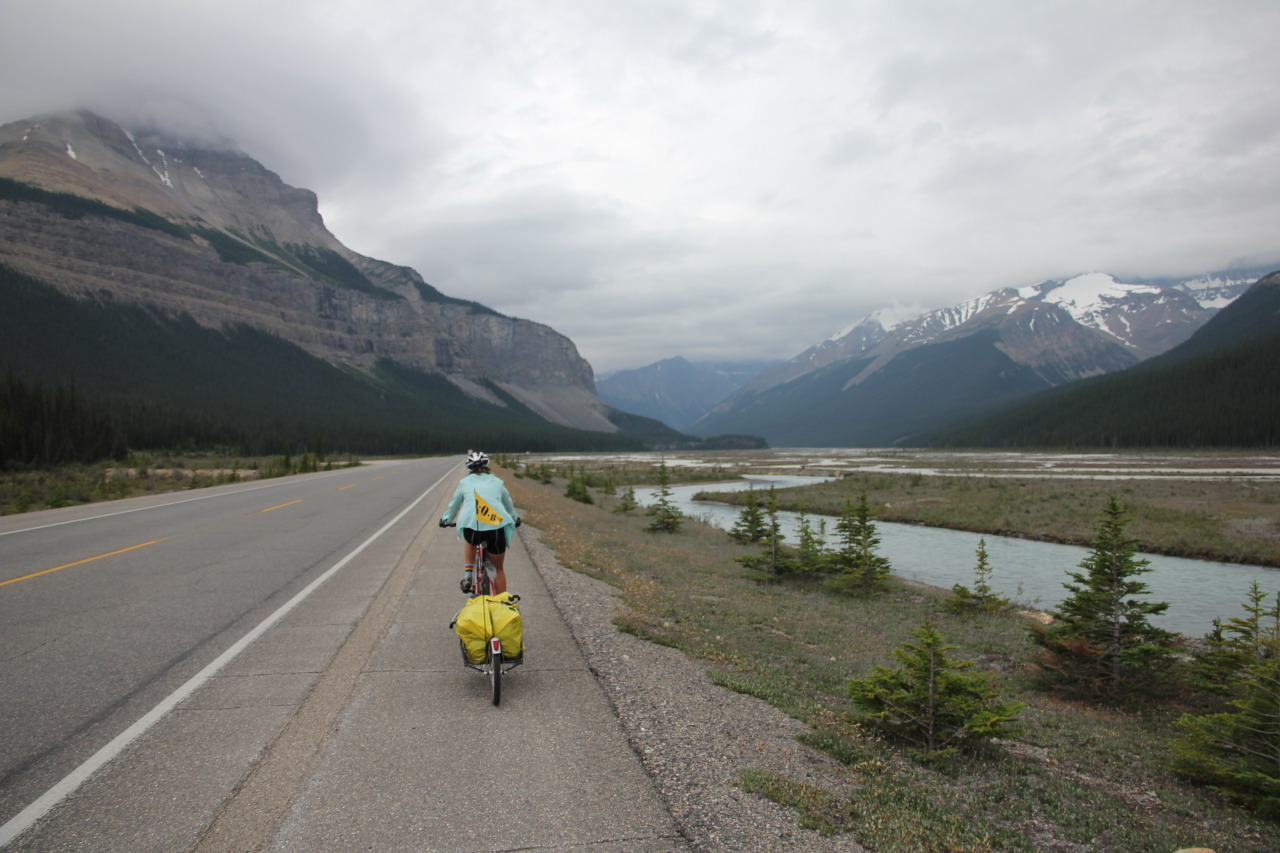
(1219, 389)
(86, 378)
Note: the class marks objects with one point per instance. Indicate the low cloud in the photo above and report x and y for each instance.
(658, 178)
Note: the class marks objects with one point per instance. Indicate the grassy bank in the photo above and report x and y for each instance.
(1078, 778)
(144, 474)
(1234, 521)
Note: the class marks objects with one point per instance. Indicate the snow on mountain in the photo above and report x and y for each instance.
(1215, 291)
(1088, 296)
(1145, 317)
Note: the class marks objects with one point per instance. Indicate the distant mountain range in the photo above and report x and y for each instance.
(1220, 388)
(675, 391)
(186, 295)
(888, 381)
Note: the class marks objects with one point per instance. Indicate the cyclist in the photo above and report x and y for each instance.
(482, 509)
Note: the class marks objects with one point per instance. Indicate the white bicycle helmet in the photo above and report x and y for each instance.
(477, 460)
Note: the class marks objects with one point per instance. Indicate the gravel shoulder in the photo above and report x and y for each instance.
(694, 738)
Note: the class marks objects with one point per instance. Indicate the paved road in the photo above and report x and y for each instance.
(268, 667)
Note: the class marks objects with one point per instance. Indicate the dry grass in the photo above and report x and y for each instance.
(1079, 779)
(1229, 520)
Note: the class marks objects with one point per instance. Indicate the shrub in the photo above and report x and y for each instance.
(932, 703)
(577, 490)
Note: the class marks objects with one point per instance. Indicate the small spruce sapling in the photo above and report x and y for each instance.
(773, 558)
(933, 703)
(981, 597)
(811, 544)
(627, 500)
(1236, 644)
(1237, 752)
(862, 571)
(1102, 645)
(749, 528)
(666, 516)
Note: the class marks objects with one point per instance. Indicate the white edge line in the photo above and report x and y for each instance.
(45, 803)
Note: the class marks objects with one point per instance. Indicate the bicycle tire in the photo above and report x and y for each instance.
(495, 675)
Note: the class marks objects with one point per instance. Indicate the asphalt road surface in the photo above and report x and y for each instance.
(268, 666)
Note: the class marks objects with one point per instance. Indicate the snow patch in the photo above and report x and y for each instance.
(71, 152)
(1086, 296)
(162, 174)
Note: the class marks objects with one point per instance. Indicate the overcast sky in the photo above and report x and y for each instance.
(719, 179)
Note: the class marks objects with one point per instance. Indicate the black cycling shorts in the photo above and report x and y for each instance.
(495, 541)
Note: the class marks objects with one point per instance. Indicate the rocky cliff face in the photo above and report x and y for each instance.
(244, 247)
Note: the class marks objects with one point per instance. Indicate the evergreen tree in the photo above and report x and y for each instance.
(982, 597)
(1238, 752)
(1102, 645)
(811, 545)
(773, 557)
(627, 502)
(862, 571)
(666, 516)
(1236, 644)
(577, 490)
(932, 702)
(749, 528)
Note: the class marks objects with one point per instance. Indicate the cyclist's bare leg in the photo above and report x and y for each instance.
(499, 576)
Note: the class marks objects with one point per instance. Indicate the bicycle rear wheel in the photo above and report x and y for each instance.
(495, 670)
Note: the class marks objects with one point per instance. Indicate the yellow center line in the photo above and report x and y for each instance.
(344, 488)
(278, 506)
(80, 562)
(376, 479)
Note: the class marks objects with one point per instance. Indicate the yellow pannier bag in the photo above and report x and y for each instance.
(488, 616)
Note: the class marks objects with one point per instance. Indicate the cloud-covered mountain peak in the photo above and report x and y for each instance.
(1089, 296)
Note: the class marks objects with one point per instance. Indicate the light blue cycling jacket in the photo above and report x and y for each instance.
(491, 489)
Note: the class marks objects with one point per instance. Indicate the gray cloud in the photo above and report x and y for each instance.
(729, 179)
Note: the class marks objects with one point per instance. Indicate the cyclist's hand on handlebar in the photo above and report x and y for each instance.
(517, 522)
(442, 524)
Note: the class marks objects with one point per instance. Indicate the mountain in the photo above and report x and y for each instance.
(887, 378)
(1219, 388)
(675, 391)
(202, 232)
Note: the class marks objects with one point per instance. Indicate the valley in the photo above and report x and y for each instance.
(1209, 505)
